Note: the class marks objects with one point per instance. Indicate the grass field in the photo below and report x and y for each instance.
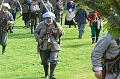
(22, 60)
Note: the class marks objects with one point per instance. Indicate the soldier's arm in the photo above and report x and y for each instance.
(60, 29)
(98, 52)
(37, 32)
(11, 20)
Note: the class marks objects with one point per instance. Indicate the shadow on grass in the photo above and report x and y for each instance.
(76, 45)
(20, 36)
(33, 78)
(68, 38)
(19, 27)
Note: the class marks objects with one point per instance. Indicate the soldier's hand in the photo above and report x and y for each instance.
(20, 12)
(98, 74)
(55, 31)
(9, 23)
(39, 41)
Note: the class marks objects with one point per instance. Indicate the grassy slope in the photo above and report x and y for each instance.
(22, 61)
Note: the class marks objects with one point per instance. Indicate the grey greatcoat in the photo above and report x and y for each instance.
(40, 33)
(106, 48)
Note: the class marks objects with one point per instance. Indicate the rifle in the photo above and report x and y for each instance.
(56, 27)
(19, 16)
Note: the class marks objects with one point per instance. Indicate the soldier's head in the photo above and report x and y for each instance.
(6, 7)
(71, 1)
(49, 17)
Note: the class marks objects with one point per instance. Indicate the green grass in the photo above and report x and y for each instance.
(22, 60)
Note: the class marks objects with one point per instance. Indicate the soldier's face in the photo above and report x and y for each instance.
(48, 20)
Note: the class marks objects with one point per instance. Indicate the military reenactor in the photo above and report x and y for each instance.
(26, 12)
(106, 57)
(47, 6)
(47, 35)
(34, 8)
(6, 21)
(59, 11)
(15, 6)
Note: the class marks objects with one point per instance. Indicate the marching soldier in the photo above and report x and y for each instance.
(47, 35)
(59, 11)
(34, 14)
(15, 6)
(26, 12)
(47, 5)
(106, 58)
(6, 20)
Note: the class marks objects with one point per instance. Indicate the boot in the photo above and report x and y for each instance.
(46, 69)
(96, 39)
(52, 68)
(93, 40)
(31, 29)
(3, 49)
(69, 26)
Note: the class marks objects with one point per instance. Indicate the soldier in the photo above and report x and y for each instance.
(6, 20)
(59, 10)
(34, 14)
(47, 5)
(26, 13)
(106, 57)
(47, 35)
(15, 6)
(80, 17)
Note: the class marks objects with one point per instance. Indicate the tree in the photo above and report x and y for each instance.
(104, 7)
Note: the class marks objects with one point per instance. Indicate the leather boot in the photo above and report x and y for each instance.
(3, 49)
(52, 68)
(46, 69)
(96, 39)
(93, 40)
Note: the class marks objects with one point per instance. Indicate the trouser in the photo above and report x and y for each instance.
(26, 18)
(27, 23)
(52, 57)
(94, 31)
(3, 40)
(34, 23)
(112, 76)
(81, 28)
